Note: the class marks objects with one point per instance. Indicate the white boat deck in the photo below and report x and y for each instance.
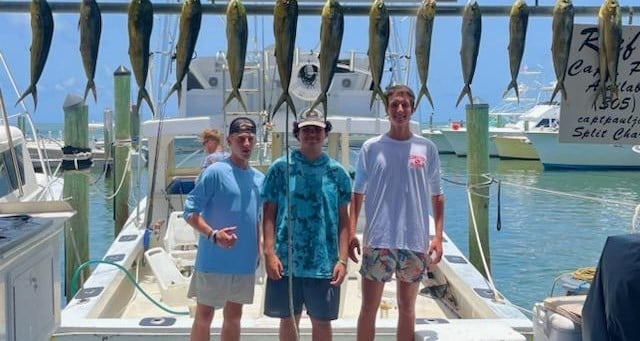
(426, 307)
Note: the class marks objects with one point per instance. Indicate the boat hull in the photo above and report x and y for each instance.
(515, 148)
(439, 140)
(556, 155)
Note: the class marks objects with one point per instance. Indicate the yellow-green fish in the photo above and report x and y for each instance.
(331, 31)
(424, 29)
(140, 27)
(285, 22)
(237, 32)
(562, 33)
(190, 19)
(518, 20)
(609, 41)
(90, 26)
(41, 36)
(471, 32)
(379, 29)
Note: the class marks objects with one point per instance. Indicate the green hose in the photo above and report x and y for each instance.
(76, 273)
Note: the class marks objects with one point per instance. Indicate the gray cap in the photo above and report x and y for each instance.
(311, 118)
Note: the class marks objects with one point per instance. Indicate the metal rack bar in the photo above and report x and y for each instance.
(306, 8)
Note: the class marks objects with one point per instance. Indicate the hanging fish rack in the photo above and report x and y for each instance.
(360, 8)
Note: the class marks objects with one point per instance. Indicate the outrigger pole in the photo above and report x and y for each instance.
(310, 8)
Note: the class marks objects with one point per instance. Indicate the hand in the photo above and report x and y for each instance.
(435, 251)
(354, 245)
(339, 274)
(273, 266)
(226, 237)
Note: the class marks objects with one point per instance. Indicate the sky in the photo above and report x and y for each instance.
(63, 73)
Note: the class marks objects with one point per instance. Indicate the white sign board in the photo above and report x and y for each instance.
(617, 121)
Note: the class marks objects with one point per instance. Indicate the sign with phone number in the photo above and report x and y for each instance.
(616, 120)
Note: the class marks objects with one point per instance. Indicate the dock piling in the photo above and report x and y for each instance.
(122, 142)
(76, 188)
(477, 167)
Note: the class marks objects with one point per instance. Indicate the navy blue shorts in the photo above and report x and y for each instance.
(319, 297)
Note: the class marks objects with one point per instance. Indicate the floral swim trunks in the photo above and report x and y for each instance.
(380, 264)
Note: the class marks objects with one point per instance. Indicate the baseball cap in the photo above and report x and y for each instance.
(242, 125)
(311, 118)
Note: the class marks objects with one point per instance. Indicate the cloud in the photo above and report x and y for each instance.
(66, 84)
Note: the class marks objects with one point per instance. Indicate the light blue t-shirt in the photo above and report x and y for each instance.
(317, 190)
(398, 179)
(226, 195)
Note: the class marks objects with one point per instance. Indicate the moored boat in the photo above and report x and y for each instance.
(436, 136)
(514, 148)
(556, 155)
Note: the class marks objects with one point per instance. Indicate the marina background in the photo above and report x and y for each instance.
(553, 222)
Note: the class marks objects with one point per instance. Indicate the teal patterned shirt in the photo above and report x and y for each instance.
(317, 190)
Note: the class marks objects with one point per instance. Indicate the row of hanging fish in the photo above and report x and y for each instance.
(285, 17)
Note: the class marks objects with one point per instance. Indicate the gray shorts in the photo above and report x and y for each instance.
(215, 290)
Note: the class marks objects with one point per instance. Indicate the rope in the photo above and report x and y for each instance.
(76, 158)
(584, 274)
(578, 196)
(482, 256)
(126, 166)
(634, 222)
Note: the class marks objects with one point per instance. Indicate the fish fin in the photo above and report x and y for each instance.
(324, 108)
(424, 91)
(322, 98)
(235, 94)
(290, 104)
(377, 90)
(559, 88)
(512, 85)
(143, 94)
(30, 90)
(278, 104)
(466, 90)
(91, 85)
(285, 97)
(174, 88)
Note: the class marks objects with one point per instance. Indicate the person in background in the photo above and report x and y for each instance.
(317, 223)
(212, 145)
(399, 174)
(224, 207)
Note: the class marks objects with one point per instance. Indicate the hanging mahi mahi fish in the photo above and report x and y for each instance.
(90, 26)
(190, 19)
(140, 27)
(285, 22)
(331, 30)
(41, 36)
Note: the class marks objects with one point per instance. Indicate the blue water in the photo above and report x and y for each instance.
(543, 235)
